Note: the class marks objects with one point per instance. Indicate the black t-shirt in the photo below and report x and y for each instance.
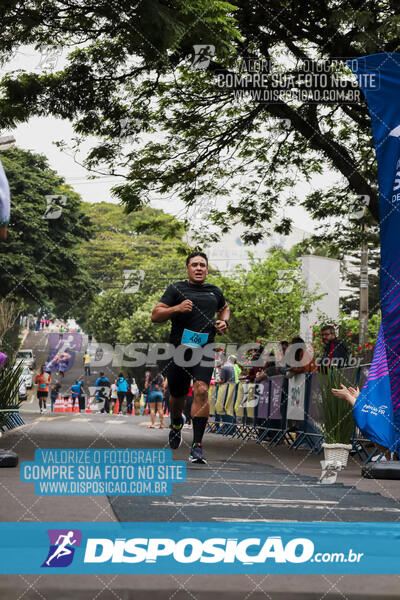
(207, 300)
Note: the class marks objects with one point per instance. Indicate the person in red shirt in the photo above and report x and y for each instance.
(42, 380)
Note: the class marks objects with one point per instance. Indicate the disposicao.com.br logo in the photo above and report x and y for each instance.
(62, 547)
(248, 551)
(199, 547)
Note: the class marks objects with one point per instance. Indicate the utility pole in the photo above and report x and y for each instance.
(363, 313)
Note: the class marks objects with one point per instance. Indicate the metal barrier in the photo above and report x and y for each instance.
(280, 410)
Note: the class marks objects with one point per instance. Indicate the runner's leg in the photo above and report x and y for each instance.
(160, 413)
(202, 374)
(152, 406)
(178, 383)
(200, 410)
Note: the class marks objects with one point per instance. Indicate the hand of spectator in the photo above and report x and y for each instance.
(349, 394)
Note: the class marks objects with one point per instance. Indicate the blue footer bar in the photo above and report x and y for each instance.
(208, 548)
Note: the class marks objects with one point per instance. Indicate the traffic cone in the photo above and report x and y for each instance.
(75, 408)
(89, 407)
(116, 407)
(65, 404)
(57, 405)
(69, 405)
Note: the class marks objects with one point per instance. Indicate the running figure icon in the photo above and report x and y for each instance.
(62, 549)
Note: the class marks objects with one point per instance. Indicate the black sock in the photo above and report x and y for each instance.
(176, 421)
(199, 427)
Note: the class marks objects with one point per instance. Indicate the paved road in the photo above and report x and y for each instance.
(243, 481)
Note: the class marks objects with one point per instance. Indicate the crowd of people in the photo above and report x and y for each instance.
(118, 395)
(292, 358)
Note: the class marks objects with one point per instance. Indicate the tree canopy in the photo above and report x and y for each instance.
(168, 127)
(148, 241)
(40, 263)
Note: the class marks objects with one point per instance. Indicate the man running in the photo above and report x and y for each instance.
(191, 305)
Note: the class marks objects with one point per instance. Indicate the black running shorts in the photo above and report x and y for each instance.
(179, 377)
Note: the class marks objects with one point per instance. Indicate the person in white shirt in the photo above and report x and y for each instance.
(113, 396)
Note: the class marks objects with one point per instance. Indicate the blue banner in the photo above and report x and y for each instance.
(376, 410)
(201, 548)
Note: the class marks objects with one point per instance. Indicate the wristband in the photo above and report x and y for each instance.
(227, 322)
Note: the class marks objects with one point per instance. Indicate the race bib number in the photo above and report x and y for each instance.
(193, 339)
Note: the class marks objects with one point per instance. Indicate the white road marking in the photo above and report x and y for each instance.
(255, 483)
(221, 499)
(230, 520)
(300, 504)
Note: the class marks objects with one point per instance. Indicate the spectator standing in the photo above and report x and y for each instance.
(102, 381)
(269, 369)
(55, 389)
(255, 355)
(122, 390)
(236, 367)
(77, 391)
(144, 404)
(227, 372)
(153, 387)
(86, 362)
(335, 351)
(301, 359)
(113, 396)
(131, 394)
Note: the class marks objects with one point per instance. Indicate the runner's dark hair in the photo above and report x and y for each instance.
(193, 254)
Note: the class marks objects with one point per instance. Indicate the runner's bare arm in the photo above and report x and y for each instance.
(223, 315)
(162, 312)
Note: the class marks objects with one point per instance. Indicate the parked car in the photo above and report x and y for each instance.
(28, 377)
(22, 393)
(27, 357)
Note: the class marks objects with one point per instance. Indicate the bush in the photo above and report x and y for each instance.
(337, 414)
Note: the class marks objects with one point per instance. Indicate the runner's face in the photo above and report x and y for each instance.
(197, 269)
